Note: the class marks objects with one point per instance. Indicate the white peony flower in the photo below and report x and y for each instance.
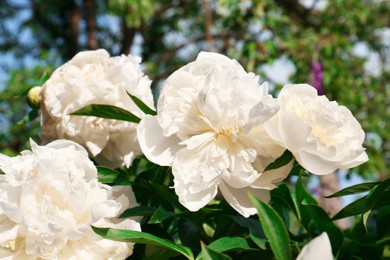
(209, 128)
(93, 77)
(322, 135)
(50, 197)
(319, 248)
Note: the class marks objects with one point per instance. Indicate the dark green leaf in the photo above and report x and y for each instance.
(283, 194)
(107, 111)
(160, 215)
(167, 194)
(274, 229)
(131, 236)
(359, 206)
(356, 207)
(138, 211)
(355, 189)
(107, 175)
(210, 254)
(376, 194)
(324, 224)
(303, 196)
(158, 252)
(284, 159)
(260, 242)
(141, 105)
(230, 244)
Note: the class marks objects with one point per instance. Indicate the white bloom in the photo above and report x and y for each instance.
(93, 77)
(50, 196)
(322, 135)
(319, 249)
(209, 128)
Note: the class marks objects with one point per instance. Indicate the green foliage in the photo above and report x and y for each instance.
(107, 111)
(274, 229)
(291, 220)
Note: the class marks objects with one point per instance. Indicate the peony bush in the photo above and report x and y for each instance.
(206, 176)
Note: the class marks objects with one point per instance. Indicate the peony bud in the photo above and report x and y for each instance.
(34, 97)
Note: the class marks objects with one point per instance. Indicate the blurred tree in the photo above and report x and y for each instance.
(320, 42)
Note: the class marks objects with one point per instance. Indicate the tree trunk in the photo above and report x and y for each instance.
(90, 16)
(208, 23)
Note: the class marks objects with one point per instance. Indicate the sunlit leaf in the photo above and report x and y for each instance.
(141, 105)
(108, 112)
(107, 175)
(210, 254)
(284, 159)
(274, 229)
(160, 215)
(355, 189)
(131, 236)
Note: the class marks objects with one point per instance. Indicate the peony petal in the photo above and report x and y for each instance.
(315, 163)
(196, 179)
(362, 158)
(239, 200)
(267, 179)
(301, 89)
(156, 147)
(319, 248)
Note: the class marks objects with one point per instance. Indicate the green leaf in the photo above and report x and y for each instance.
(107, 111)
(365, 217)
(230, 244)
(210, 254)
(160, 215)
(354, 208)
(274, 229)
(260, 242)
(360, 206)
(141, 105)
(323, 223)
(29, 117)
(107, 175)
(283, 194)
(376, 194)
(167, 194)
(157, 252)
(303, 196)
(284, 159)
(138, 211)
(355, 189)
(131, 236)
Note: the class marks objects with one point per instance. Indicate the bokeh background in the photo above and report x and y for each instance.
(341, 47)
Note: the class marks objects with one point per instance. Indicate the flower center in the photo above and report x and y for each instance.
(231, 132)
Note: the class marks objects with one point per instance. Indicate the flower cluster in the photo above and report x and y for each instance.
(93, 77)
(50, 196)
(216, 126)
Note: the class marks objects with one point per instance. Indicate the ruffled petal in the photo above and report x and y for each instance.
(239, 199)
(196, 179)
(157, 147)
(315, 163)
